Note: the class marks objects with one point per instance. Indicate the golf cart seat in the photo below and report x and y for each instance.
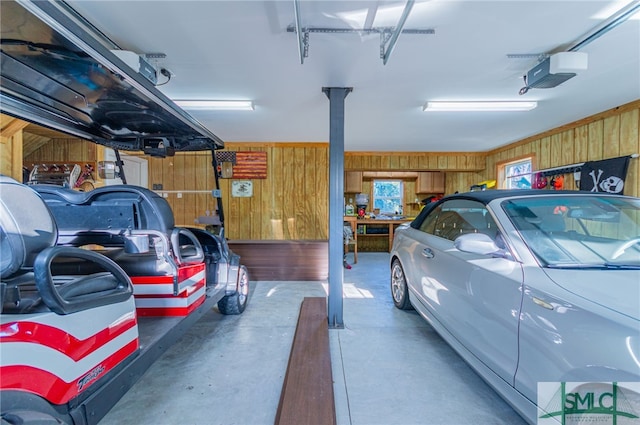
(134, 227)
(29, 282)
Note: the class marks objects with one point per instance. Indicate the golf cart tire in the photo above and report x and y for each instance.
(236, 303)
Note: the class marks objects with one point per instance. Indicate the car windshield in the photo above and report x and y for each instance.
(590, 231)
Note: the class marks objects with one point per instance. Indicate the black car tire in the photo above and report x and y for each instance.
(399, 289)
(236, 303)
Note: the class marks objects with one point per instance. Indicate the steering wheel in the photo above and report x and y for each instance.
(622, 248)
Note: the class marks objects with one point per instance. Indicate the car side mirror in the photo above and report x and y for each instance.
(476, 243)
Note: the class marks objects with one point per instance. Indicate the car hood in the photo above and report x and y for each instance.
(59, 72)
(618, 290)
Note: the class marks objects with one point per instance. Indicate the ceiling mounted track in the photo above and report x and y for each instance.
(388, 35)
(601, 29)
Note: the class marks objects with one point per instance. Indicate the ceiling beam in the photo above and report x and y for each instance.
(10, 128)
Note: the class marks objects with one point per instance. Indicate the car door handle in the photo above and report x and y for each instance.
(428, 252)
(542, 303)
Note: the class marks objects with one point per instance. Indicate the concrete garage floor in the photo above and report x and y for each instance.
(389, 366)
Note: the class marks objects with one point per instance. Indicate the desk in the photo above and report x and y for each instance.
(388, 232)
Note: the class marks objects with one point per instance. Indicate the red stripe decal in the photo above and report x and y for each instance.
(54, 389)
(184, 294)
(170, 311)
(151, 280)
(59, 340)
(185, 272)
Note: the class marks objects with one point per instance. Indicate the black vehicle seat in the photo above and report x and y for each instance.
(28, 278)
(26, 228)
(111, 217)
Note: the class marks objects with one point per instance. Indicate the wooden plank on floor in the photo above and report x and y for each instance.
(307, 392)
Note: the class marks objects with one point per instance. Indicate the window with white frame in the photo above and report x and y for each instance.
(388, 196)
(516, 174)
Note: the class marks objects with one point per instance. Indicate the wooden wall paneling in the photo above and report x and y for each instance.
(189, 176)
(595, 142)
(566, 148)
(320, 196)
(166, 175)
(155, 172)
(301, 226)
(629, 145)
(265, 206)
(180, 183)
(404, 162)
(555, 151)
(352, 162)
(629, 133)
(277, 195)
(581, 144)
(567, 156)
(201, 182)
(518, 151)
(452, 163)
(11, 146)
(535, 150)
(365, 162)
(225, 196)
(414, 162)
(309, 202)
(234, 214)
(461, 162)
(611, 137)
(11, 155)
(286, 181)
(16, 156)
(255, 213)
(544, 158)
(369, 162)
(243, 205)
(243, 228)
(6, 155)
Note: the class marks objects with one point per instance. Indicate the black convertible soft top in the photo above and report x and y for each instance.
(486, 196)
(63, 75)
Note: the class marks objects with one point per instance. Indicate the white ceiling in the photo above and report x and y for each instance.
(242, 50)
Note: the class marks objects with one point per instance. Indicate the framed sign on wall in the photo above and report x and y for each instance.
(242, 188)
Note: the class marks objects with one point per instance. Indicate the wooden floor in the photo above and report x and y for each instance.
(307, 392)
(284, 260)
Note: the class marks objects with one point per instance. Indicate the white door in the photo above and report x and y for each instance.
(136, 170)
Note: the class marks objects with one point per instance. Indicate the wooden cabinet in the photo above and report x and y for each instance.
(353, 181)
(430, 182)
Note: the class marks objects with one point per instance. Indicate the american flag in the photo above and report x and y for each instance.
(250, 165)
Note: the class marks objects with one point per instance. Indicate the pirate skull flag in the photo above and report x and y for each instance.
(604, 176)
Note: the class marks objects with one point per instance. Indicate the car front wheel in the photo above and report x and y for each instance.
(399, 290)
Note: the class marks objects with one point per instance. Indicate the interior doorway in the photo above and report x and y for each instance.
(136, 169)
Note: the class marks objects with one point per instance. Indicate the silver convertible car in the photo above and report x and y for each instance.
(530, 287)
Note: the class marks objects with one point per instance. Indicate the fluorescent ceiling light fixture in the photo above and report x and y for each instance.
(479, 106)
(227, 105)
